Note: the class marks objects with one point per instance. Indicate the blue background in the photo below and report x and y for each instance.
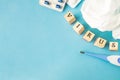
(37, 43)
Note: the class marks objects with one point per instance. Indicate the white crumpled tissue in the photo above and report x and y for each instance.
(103, 15)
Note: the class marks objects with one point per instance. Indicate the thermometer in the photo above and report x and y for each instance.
(113, 59)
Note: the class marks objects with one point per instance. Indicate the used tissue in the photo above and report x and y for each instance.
(103, 15)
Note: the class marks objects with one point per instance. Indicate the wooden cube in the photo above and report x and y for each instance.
(100, 42)
(113, 46)
(78, 28)
(88, 36)
(70, 18)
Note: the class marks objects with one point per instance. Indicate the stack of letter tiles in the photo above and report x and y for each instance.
(79, 28)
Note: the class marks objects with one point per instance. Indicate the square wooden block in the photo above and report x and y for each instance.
(113, 46)
(100, 42)
(78, 28)
(88, 36)
(70, 18)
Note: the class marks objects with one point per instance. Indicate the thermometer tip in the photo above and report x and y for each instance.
(82, 52)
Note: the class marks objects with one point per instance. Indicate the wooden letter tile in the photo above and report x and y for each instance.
(113, 46)
(88, 36)
(70, 18)
(78, 28)
(100, 42)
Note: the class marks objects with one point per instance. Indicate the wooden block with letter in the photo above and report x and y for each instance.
(78, 28)
(113, 46)
(70, 18)
(100, 42)
(89, 36)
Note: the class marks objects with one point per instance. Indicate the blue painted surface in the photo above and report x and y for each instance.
(37, 43)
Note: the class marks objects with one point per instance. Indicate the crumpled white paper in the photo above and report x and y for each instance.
(73, 3)
(103, 15)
